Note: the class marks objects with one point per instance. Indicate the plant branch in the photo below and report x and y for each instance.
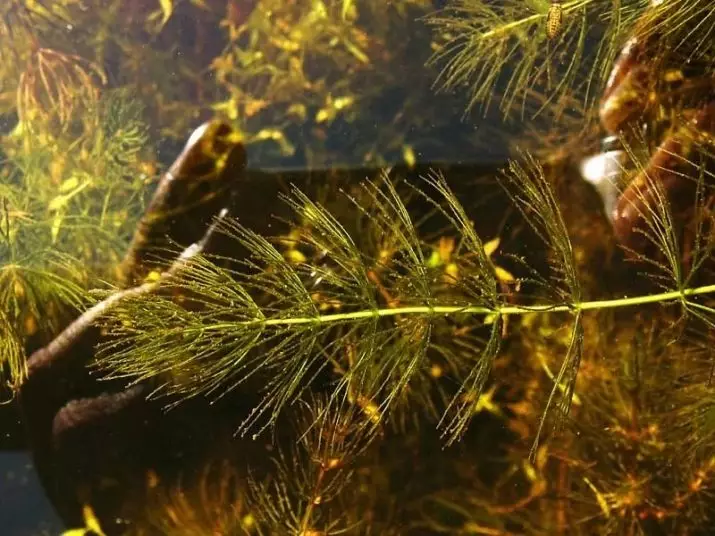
(456, 309)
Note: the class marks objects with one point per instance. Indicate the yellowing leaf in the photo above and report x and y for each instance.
(323, 115)
(56, 224)
(452, 271)
(91, 525)
(294, 256)
(542, 456)
(348, 11)
(285, 44)
(152, 276)
(530, 472)
(167, 7)
(491, 246)
(408, 154)
(91, 520)
(434, 259)
(503, 275)
(61, 200)
(355, 51)
(248, 521)
(69, 184)
(343, 102)
(57, 203)
(318, 13)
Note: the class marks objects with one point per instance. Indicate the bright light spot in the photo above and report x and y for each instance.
(603, 166)
(603, 170)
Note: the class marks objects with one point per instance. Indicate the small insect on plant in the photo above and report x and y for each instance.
(554, 18)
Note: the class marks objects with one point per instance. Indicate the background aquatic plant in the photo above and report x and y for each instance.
(502, 55)
(503, 48)
(72, 185)
(37, 285)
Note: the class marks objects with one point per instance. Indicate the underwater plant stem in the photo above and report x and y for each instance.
(314, 500)
(479, 310)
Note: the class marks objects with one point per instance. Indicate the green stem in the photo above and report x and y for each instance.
(475, 310)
